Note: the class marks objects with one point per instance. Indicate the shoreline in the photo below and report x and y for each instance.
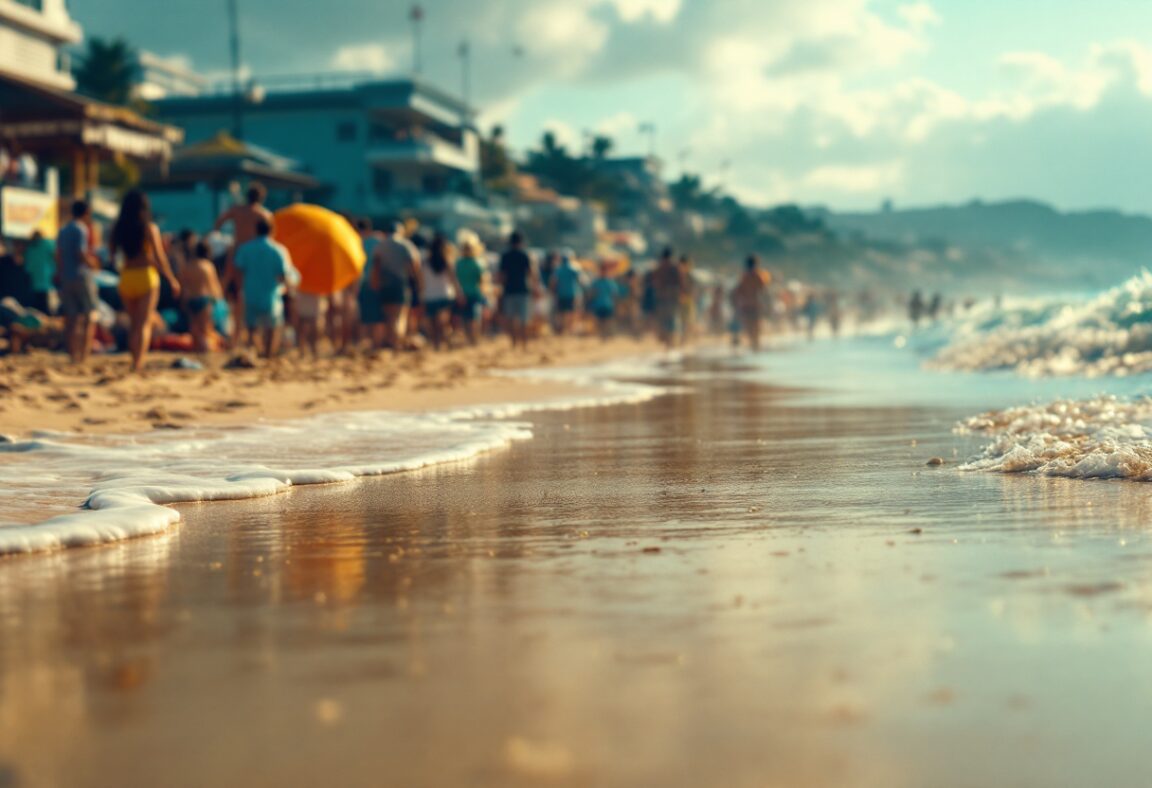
(41, 393)
(128, 481)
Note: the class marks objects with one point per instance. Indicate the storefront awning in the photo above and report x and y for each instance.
(39, 119)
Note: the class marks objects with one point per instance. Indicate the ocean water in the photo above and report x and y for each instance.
(62, 490)
(1109, 334)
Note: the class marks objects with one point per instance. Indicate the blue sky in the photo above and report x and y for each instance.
(837, 102)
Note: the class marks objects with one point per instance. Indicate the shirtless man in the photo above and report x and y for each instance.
(201, 291)
(244, 219)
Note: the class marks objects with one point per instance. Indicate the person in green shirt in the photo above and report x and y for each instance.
(40, 264)
(472, 274)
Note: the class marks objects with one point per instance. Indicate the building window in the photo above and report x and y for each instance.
(433, 184)
(382, 182)
(346, 131)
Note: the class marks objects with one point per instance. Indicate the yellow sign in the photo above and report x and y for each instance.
(23, 211)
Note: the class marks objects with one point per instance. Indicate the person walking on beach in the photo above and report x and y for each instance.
(40, 263)
(201, 292)
(567, 285)
(519, 279)
(137, 237)
(77, 265)
(472, 276)
(395, 277)
(265, 269)
(669, 287)
(244, 219)
(440, 288)
(371, 310)
(688, 306)
(748, 300)
(603, 295)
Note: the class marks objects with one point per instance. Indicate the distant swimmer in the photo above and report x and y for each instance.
(916, 308)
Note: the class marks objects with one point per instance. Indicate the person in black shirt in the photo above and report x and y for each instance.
(519, 279)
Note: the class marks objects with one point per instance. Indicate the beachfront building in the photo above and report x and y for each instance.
(382, 149)
(161, 78)
(53, 141)
(34, 37)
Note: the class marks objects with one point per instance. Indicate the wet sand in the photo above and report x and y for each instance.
(41, 391)
(724, 586)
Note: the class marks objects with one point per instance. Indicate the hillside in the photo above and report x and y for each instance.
(1092, 247)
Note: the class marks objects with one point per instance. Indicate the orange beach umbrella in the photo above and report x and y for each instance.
(325, 248)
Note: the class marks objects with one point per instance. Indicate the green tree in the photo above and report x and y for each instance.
(689, 194)
(602, 147)
(497, 167)
(108, 71)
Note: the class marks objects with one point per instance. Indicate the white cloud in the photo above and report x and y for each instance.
(363, 57)
(619, 125)
(663, 11)
(864, 179)
(919, 15)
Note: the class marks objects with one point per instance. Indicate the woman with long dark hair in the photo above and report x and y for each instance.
(138, 238)
(440, 289)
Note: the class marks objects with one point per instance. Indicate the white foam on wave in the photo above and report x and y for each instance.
(126, 484)
(1102, 438)
(1109, 335)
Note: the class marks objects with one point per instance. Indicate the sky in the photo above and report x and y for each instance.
(842, 103)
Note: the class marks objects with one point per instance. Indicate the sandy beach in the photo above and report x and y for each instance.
(42, 392)
(728, 585)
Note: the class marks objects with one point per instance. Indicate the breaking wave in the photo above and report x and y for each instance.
(1109, 335)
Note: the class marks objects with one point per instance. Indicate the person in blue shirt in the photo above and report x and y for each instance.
(568, 286)
(602, 298)
(264, 268)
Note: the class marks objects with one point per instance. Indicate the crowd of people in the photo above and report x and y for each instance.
(131, 288)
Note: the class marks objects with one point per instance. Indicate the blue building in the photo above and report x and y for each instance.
(381, 149)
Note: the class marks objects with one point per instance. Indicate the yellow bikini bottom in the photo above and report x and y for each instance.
(138, 282)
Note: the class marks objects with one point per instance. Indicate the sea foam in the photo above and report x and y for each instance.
(1102, 438)
(60, 490)
(1109, 335)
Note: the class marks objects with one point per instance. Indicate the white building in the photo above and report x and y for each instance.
(162, 78)
(33, 37)
(382, 149)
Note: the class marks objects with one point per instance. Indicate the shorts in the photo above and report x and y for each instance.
(396, 292)
(311, 307)
(472, 308)
(749, 317)
(371, 310)
(138, 282)
(518, 306)
(40, 302)
(604, 311)
(565, 304)
(78, 297)
(200, 303)
(668, 318)
(435, 307)
(257, 319)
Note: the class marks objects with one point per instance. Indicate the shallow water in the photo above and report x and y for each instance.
(728, 585)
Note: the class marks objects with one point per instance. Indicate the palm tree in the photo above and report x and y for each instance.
(108, 70)
(602, 147)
